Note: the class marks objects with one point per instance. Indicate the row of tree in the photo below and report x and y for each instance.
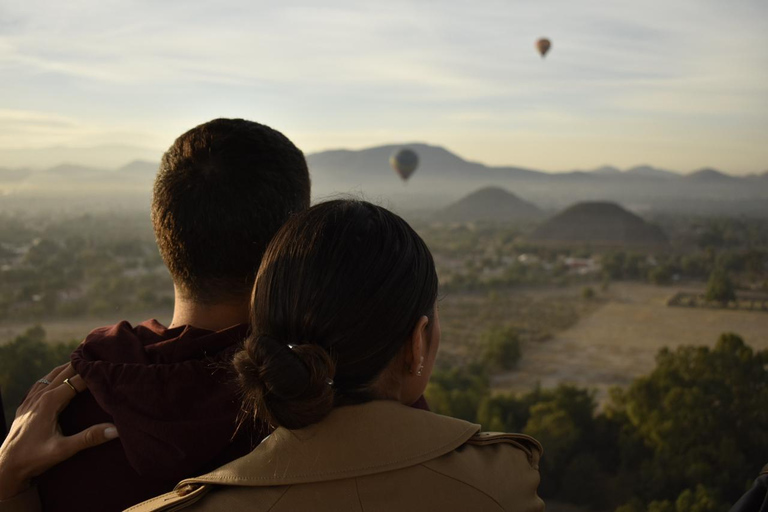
(619, 265)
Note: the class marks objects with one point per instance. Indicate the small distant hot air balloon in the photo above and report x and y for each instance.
(543, 45)
(404, 162)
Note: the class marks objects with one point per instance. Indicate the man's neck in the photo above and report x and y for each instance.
(210, 316)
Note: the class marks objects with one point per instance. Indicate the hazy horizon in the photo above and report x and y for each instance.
(111, 157)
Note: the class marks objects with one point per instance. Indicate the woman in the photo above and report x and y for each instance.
(345, 331)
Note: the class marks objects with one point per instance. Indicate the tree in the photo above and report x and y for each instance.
(503, 413)
(702, 416)
(699, 500)
(613, 264)
(731, 261)
(458, 391)
(24, 360)
(500, 349)
(634, 266)
(720, 287)
(660, 275)
(694, 266)
(584, 481)
(563, 420)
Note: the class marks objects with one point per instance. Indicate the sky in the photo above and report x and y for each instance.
(677, 84)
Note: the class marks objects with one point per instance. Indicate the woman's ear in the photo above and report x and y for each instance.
(417, 347)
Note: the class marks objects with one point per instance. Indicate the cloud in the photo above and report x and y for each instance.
(21, 118)
(114, 68)
(19, 126)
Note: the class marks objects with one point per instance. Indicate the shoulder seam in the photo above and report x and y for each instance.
(465, 483)
(359, 499)
(287, 487)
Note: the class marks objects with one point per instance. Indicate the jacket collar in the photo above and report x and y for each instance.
(351, 441)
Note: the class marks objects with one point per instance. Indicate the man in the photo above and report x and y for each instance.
(223, 189)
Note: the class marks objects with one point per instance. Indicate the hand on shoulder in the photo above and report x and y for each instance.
(35, 443)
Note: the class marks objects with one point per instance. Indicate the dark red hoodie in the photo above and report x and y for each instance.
(174, 401)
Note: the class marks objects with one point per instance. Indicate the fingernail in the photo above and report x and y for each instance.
(111, 433)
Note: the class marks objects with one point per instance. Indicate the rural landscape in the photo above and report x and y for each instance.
(569, 305)
(591, 179)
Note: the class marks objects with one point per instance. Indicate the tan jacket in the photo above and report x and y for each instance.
(380, 456)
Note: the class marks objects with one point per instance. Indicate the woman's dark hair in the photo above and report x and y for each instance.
(339, 291)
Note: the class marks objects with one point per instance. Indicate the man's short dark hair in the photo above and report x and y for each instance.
(223, 190)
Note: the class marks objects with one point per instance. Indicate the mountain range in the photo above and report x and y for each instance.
(442, 178)
(447, 164)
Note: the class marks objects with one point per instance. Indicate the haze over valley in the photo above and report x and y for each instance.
(442, 178)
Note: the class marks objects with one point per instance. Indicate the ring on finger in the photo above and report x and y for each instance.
(68, 383)
(44, 381)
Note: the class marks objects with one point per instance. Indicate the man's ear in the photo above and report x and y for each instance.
(417, 346)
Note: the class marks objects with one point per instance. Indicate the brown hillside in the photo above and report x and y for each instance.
(600, 224)
(490, 204)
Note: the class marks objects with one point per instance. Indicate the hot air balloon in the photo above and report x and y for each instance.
(404, 162)
(543, 45)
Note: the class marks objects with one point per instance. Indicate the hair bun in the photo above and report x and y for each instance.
(289, 385)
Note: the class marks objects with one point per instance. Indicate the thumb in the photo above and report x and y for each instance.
(88, 438)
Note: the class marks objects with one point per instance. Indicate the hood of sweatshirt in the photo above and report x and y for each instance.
(171, 392)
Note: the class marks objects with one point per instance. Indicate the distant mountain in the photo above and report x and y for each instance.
(13, 175)
(138, 173)
(607, 170)
(70, 175)
(441, 178)
(439, 162)
(489, 204)
(102, 157)
(74, 171)
(647, 171)
(139, 167)
(432, 156)
(709, 175)
(77, 179)
(434, 161)
(599, 224)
